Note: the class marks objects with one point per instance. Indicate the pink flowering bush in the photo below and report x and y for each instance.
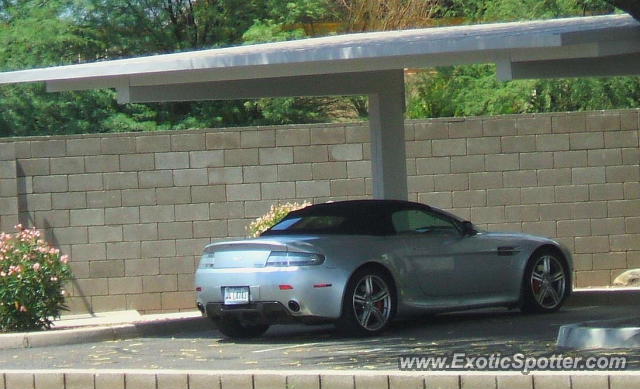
(32, 275)
(273, 217)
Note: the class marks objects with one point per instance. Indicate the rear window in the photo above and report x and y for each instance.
(322, 224)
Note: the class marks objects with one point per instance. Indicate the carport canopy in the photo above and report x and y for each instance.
(369, 64)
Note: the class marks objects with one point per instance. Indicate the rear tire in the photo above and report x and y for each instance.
(545, 285)
(237, 329)
(369, 304)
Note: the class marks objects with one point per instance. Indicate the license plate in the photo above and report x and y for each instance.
(234, 295)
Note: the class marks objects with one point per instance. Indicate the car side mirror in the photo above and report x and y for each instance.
(468, 229)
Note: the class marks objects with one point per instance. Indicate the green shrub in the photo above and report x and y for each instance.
(32, 275)
(273, 217)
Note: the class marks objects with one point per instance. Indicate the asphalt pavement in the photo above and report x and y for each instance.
(307, 347)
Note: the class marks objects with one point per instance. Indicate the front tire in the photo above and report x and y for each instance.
(369, 304)
(237, 329)
(546, 283)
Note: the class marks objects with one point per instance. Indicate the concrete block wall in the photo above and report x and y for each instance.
(134, 210)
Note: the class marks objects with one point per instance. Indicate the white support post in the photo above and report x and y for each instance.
(386, 122)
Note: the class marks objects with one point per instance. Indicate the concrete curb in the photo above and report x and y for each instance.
(583, 337)
(305, 379)
(103, 333)
(604, 296)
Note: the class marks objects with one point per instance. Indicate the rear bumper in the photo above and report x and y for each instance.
(267, 312)
(317, 289)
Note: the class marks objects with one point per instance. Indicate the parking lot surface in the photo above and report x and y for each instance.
(478, 333)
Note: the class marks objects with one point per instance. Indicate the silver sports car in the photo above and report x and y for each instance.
(362, 263)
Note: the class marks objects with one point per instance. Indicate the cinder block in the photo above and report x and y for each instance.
(101, 163)
(99, 234)
(47, 219)
(573, 228)
(85, 182)
(178, 265)
(488, 214)
(160, 248)
(308, 189)
(255, 174)
(447, 147)
(586, 279)
(520, 178)
(210, 229)
(629, 120)
(159, 283)
(615, 139)
(431, 130)
(604, 157)
(369, 381)
(569, 122)
(223, 140)
(622, 173)
(135, 197)
(7, 151)
(140, 232)
(67, 165)
(123, 250)
(521, 213)
(203, 194)
(177, 230)
(150, 143)
(119, 180)
(473, 198)
(551, 177)
(144, 302)
(345, 152)
(186, 247)
(436, 199)
(117, 145)
(89, 252)
(613, 191)
(337, 381)
(498, 126)
(122, 215)
(157, 213)
(489, 180)
(31, 202)
(327, 136)
(109, 380)
(106, 269)
(48, 184)
(278, 191)
(204, 380)
(328, 170)
(172, 160)
(190, 177)
(173, 380)
(610, 261)
(87, 217)
(588, 175)
(14, 380)
(451, 182)
(89, 146)
(228, 210)
(137, 162)
(225, 175)
(505, 196)
(570, 159)
(359, 169)
(514, 381)
(539, 160)
(589, 382)
(108, 303)
(259, 138)
(241, 157)
(442, 381)
(419, 184)
(206, 159)
(8, 169)
(581, 141)
(189, 212)
(269, 381)
(552, 142)
(623, 381)
(572, 193)
(405, 382)
(348, 187)
(48, 148)
(312, 153)
(70, 235)
(310, 381)
(467, 164)
(611, 226)
(473, 381)
(178, 300)
(188, 142)
(501, 162)
(91, 287)
(488, 145)
(417, 149)
(293, 137)
(77, 380)
(552, 381)
(155, 179)
(518, 144)
(275, 155)
(465, 128)
(592, 244)
(626, 242)
(140, 380)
